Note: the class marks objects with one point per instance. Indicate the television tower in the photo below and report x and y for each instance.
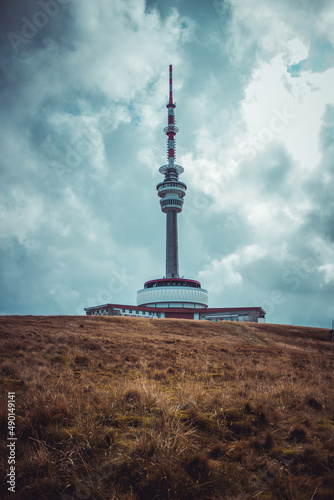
(171, 290)
(172, 296)
(171, 190)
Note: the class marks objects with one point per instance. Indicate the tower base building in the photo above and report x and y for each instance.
(172, 296)
(253, 314)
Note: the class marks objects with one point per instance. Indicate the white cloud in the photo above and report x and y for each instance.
(296, 51)
(328, 273)
(20, 216)
(227, 272)
(301, 102)
(324, 23)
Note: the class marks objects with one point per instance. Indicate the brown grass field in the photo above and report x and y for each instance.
(129, 408)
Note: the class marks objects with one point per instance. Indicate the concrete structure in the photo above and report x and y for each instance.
(172, 296)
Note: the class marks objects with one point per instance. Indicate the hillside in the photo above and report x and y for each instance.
(129, 408)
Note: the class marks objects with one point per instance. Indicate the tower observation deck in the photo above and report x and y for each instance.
(172, 291)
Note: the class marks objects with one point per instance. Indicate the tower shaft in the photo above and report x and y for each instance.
(172, 259)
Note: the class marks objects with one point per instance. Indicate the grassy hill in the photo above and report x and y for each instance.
(129, 408)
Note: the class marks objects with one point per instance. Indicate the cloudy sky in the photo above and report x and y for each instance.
(83, 92)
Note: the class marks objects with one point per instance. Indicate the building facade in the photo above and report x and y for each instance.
(254, 314)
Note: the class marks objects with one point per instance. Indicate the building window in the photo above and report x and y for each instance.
(123, 310)
(130, 311)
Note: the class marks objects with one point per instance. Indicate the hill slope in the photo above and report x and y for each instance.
(110, 407)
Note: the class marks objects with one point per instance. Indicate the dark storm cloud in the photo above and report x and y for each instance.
(320, 220)
(55, 167)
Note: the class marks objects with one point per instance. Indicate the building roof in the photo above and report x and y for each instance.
(176, 280)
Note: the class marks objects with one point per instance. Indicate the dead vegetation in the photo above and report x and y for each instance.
(122, 408)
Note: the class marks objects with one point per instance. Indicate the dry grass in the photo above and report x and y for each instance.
(122, 408)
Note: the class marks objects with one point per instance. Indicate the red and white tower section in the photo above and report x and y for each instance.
(172, 291)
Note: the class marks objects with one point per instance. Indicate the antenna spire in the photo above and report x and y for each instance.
(171, 130)
(170, 84)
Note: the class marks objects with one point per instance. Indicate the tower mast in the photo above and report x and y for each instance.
(171, 190)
